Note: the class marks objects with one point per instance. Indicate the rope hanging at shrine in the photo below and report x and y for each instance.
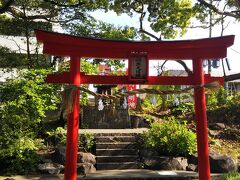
(211, 86)
(70, 93)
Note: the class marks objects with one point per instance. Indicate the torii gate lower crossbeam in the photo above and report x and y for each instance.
(195, 50)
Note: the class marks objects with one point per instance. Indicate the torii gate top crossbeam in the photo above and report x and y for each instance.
(68, 45)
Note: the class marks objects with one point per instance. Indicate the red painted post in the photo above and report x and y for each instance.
(201, 122)
(72, 124)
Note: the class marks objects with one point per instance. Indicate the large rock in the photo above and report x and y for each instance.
(221, 164)
(191, 167)
(86, 158)
(165, 163)
(213, 133)
(85, 168)
(59, 156)
(51, 168)
(217, 126)
(192, 163)
(183, 162)
(218, 163)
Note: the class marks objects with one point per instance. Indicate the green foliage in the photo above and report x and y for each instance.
(183, 108)
(171, 138)
(162, 101)
(211, 100)
(88, 67)
(223, 106)
(147, 102)
(24, 101)
(13, 59)
(233, 107)
(99, 29)
(26, 163)
(221, 96)
(150, 119)
(28, 96)
(170, 18)
(23, 17)
(27, 15)
(231, 176)
(218, 99)
(18, 26)
(9, 59)
(86, 140)
(84, 98)
(56, 137)
(223, 9)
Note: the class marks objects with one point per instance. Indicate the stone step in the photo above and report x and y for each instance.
(116, 152)
(116, 139)
(120, 145)
(115, 159)
(123, 165)
(116, 134)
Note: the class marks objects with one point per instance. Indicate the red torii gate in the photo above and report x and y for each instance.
(77, 47)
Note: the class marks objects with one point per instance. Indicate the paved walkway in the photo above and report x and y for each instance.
(121, 174)
(146, 174)
(141, 174)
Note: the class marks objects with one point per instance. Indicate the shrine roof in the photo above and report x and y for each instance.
(69, 45)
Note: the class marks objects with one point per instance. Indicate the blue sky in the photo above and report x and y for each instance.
(232, 29)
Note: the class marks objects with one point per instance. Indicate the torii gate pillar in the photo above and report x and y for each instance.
(201, 121)
(72, 123)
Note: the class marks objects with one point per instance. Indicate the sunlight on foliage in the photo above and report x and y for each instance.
(24, 101)
(171, 138)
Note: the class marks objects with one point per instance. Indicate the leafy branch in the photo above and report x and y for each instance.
(234, 14)
(5, 6)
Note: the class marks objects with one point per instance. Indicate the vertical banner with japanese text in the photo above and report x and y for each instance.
(132, 100)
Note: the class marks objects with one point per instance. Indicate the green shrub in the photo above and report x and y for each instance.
(86, 140)
(24, 101)
(21, 163)
(170, 138)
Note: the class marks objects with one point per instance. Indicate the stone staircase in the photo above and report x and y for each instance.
(116, 151)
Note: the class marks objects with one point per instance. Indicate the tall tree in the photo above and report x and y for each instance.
(20, 19)
(23, 16)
